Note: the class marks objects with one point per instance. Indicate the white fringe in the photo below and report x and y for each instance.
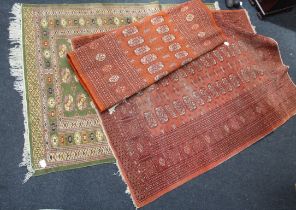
(112, 109)
(216, 4)
(17, 71)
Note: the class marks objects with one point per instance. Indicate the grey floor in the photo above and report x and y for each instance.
(261, 177)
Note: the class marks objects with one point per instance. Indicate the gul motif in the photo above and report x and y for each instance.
(100, 136)
(150, 119)
(212, 90)
(130, 31)
(141, 50)
(220, 87)
(116, 21)
(51, 102)
(68, 103)
(148, 58)
(62, 50)
(81, 101)
(168, 38)
(135, 41)
(174, 47)
(198, 98)
(204, 95)
(245, 75)
(189, 103)
(163, 29)
(234, 80)
(54, 140)
(161, 114)
(204, 61)
(66, 75)
(211, 60)
(179, 107)
(155, 67)
(227, 84)
(157, 20)
(99, 21)
(170, 111)
(77, 138)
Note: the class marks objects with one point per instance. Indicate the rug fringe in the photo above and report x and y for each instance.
(217, 6)
(17, 71)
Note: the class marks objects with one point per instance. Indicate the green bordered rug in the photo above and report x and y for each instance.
(63, 130)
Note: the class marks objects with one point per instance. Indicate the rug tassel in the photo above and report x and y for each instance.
(112, 109)
(17, 71)
(216, 4)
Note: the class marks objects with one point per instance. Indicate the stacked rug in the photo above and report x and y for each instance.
(169, 92)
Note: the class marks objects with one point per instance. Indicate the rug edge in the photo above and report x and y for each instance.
(16, 63)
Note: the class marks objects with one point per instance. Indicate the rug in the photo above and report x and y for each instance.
(62, 129)
(130, 58)
(201, 114)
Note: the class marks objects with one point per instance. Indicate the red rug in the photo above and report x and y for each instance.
(198, 116)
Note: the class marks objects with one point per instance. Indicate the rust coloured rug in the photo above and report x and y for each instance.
(197, 116)
(124, 61)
